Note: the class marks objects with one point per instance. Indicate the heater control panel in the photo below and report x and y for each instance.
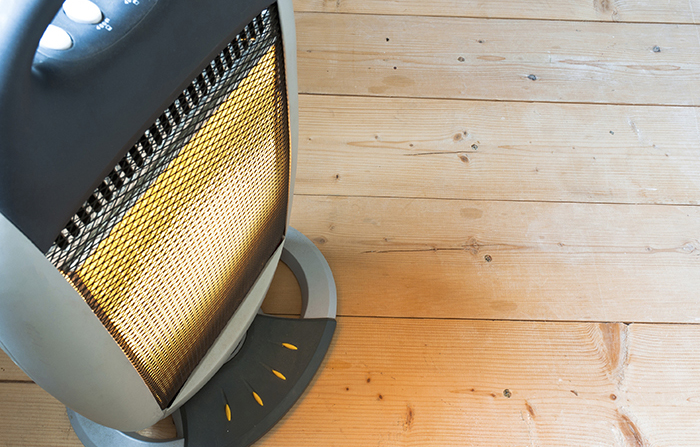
(82, 11)
(85, 27)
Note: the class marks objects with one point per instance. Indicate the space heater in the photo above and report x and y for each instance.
(147, 158)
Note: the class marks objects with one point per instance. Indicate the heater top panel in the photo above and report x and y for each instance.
(67, 121)
(82, 28)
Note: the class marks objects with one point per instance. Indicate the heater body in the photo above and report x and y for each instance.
(100, 146)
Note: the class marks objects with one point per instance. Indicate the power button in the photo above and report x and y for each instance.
(82, 11)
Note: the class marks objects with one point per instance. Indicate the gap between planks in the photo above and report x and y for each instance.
(284, 299)
(668, 11)
(496, 100)
(475, 17)
(534, 19)
(560, 202)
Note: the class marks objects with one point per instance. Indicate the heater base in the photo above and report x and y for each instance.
(253, 391)
(250, 393)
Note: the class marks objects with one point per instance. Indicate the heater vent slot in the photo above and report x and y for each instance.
(153, 138)
(170, 242)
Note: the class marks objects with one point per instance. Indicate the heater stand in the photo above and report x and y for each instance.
(251, 392)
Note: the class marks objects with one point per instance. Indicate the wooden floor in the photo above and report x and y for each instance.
(508, 193)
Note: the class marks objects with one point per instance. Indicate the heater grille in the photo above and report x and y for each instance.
(167, 246)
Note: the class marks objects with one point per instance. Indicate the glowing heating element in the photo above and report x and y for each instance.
(173, 270)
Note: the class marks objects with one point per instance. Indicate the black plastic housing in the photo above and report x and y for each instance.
(205, 422)
(67, 118)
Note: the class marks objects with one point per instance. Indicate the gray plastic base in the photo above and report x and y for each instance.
(92, 434)
(315, 278)
(319, 300)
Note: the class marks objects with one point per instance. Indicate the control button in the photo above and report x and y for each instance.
(55, 38)
(82, 11)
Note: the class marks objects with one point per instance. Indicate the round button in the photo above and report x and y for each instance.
(55, 38)
(82, 11)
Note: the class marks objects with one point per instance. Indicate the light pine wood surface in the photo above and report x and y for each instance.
(650, 11)
(495, 59)
(484, 150)
(517, 259)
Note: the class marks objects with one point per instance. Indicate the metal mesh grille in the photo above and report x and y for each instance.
(167, 246)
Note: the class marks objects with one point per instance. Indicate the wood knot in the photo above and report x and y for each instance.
(529, 409)
(630, 431)
(408, 423)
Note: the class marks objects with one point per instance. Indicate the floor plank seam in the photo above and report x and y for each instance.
(529, 19)
(519, 101)
(519, 320)
(557, 202)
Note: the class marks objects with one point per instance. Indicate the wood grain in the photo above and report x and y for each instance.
(498, 151)
(9, 371)
(449, 382)
(498, 59)
(446, 383)
(671, 11)
(30, 417)
(507, 260)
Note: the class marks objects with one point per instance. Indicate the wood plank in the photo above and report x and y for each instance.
(498, 151)
(520, 60)
(393, 382)
(9, 371)
(670, 11)
(31, 417)
(508, 260)
(432, 382)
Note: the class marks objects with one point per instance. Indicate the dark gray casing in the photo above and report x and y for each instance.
(64, 123)
(66, 120)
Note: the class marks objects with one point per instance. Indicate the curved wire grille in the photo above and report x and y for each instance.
(166, 248)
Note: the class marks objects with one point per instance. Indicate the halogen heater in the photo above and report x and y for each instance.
(147, 159)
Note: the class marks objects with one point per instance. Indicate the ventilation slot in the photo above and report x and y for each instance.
(138, 155)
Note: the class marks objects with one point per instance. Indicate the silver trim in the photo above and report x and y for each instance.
(318, 293)
(285, 10)
(52, 334)
(95, 435)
